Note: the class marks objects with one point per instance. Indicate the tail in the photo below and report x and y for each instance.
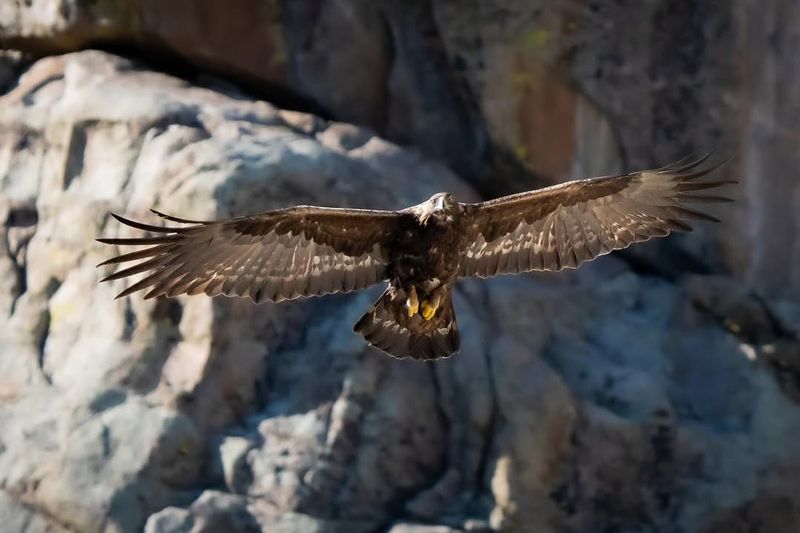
(387, 326)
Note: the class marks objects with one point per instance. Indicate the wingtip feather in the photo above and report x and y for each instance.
(685, 164)
(176, 219)
(145, 227)
(704, 198)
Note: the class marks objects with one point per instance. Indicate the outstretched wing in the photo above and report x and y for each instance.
(568, 224)
(278, 255)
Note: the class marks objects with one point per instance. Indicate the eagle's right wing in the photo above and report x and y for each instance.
(565, 225)
(278, 255)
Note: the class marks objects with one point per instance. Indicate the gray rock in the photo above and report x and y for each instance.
(211, 512)
(96, 465)
(170, 520)
(376, 55)
(17, 517)
(420, 528)
(108, 133)
(600, 398)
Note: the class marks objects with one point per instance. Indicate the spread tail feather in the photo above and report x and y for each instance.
(386, 325)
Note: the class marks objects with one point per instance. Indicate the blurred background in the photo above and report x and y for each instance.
(654, 390)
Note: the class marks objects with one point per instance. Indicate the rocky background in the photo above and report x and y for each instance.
(654, 390)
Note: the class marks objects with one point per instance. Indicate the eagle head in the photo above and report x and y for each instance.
(443, 204)
(441, 207)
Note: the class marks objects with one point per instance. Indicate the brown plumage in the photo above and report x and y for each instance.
(421, 251)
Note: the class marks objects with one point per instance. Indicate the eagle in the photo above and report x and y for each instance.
(421, 251)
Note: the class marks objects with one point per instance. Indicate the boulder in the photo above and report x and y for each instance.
(142, 382)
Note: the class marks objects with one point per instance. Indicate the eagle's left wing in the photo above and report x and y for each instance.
(278, 255)
(568, 224)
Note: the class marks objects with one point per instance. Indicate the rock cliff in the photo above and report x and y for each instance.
(655, 390)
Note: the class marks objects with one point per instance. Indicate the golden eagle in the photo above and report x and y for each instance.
(421, 251)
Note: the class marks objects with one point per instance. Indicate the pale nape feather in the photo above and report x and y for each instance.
(568, 224)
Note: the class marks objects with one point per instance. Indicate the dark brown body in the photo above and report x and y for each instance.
(427, 252)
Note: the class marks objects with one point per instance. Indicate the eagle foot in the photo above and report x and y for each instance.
(412, 303)
(428, 309)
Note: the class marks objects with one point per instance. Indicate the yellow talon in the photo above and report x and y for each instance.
(428, 310)
(412, 303)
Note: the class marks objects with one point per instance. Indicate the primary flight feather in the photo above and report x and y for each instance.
(421, 251)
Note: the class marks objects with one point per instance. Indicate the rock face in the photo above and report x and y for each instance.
(601, 399)
(508, 94)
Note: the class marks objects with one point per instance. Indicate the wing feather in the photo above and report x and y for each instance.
(283, 254)
(568, 224)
